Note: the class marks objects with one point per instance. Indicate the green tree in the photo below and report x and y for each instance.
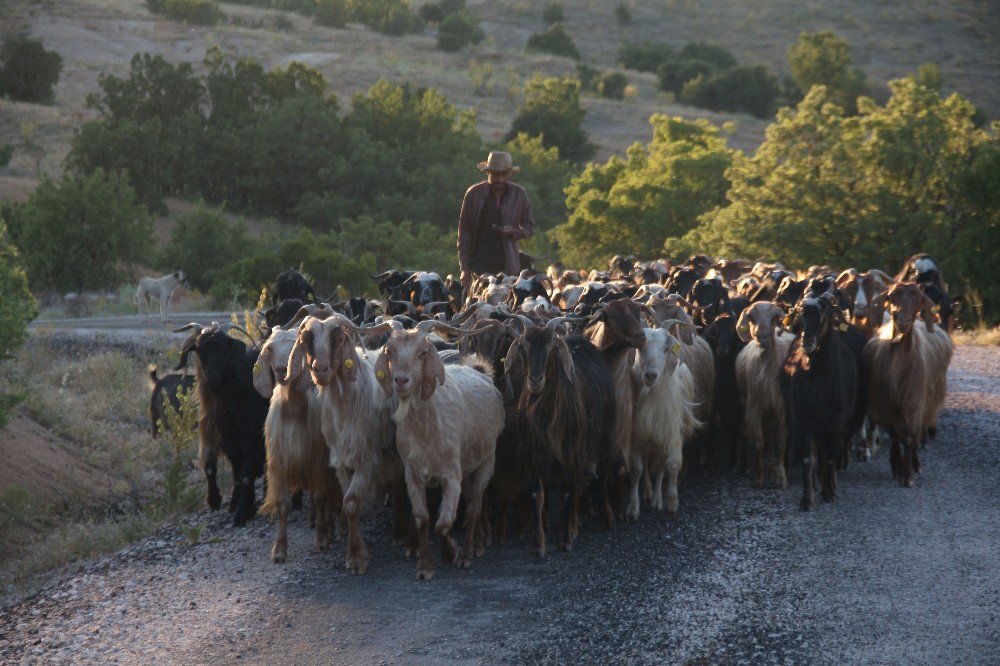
(545, 177)
(553, 112)
(28, 72)
(17, 308)
(823, 58)
(203, 242)
(457, 30)
(867, 190)
(657, 192)
(553, 13)
(555, 40)
(644, 56)
(83, 233)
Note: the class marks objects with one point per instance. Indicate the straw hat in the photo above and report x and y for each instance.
(499, 161)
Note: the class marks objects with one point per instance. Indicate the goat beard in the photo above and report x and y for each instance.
(403, 409)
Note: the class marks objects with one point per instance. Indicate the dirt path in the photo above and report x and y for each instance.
(886, 575)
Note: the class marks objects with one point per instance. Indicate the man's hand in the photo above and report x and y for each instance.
(506, 232)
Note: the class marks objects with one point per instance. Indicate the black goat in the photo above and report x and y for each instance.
(727, 415)
(565, 419)
(292, 284)
(710, 298)
(281, 314)
(819, 384)
(390, 284)
(231, 414)
(166, 387)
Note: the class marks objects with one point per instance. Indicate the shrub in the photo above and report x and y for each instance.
(458, 30)
(27, 71)
(331, 13)
(6, 153)
(83, 233)
(675, 73)
(204, 242)
(713, 54)
(611, 85)
(823, 58)
(622, 13)
(644, 56)
(749, 89)
(17, 308)
(431, 12)
(553, 13)
(555, 40)
(552, 111)
(199, 12)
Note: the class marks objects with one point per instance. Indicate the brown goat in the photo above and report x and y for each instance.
(908, 362)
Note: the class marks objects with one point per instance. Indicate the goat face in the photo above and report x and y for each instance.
(622, 320)
(712, 297)
(818, 315)
(216, 351)
(543, 352)
(758, 322)
(906, 300)
(409, 360)
(659, 357)
(272, 367)
(323, 346)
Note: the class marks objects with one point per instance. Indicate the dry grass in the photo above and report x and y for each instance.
(978, 337)
(82, 474)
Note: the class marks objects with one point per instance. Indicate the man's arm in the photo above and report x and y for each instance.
(465, 231)
(526, 225)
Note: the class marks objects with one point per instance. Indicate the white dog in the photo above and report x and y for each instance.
(160, 288)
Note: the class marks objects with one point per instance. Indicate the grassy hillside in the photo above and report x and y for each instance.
(98, 37)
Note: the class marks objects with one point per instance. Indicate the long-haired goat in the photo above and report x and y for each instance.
(355, 419)
(231, 413)
(819, 385)
(663, 417)
(296, 451)
(565, 421)
(447, 425)
(908, 364)
(758, 367)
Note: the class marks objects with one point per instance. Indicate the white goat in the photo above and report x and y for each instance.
(355, 419)
(758, 367)
(296, 451)
(662, 419)
(445, 435)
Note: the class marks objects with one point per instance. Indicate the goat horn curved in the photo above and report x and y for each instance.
(366, 330)
(667, 323)
(224, 328)
(428, 325)
(555, 322)
(307, 311)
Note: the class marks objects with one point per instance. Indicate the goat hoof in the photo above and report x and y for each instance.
(425, 569)
(464, 562)
(480, 551)
(806, 505)
(279, 558)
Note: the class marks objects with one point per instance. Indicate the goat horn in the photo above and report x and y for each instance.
(667, 323)
(426, 326)
(555, 322)
(308, 311)
(234, 327)
(187, 327)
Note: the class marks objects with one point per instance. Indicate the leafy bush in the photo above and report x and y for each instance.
(6, 153)
(611, 85)
(203, 242)
(555, 40)
(83, 233)
(749, 89)
(553, 13)
(17, 308)
(822, 58)
(622, 13)
(331, 13)
(199, 12)
(644, 56)
(457, 30)
(552, 112)
(675, 73)
(713, 54)
(392, 17)
(27, 71)
(656, 192)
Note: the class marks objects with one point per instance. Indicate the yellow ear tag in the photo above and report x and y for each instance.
(676, 349)
(257, 369)
(935, 309)
(380, 375)
(843, 327)
(349, 363)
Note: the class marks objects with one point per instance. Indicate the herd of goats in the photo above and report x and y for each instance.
(584, 392)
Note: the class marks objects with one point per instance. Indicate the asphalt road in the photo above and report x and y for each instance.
(886, 575)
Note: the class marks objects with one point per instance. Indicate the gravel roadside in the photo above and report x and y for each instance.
(886, 575)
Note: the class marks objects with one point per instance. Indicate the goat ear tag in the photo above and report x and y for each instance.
(935, 309)
(676, 349)
(842, 327)
(380, 375)
(256, 369)
(349, 363)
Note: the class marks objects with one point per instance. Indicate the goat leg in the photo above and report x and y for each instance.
(539, 497)
(446, 519)
(357, 552)
(673, 470)
(421, 521)
(806, 455)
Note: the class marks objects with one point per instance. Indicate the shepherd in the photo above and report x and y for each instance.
(495, 215)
